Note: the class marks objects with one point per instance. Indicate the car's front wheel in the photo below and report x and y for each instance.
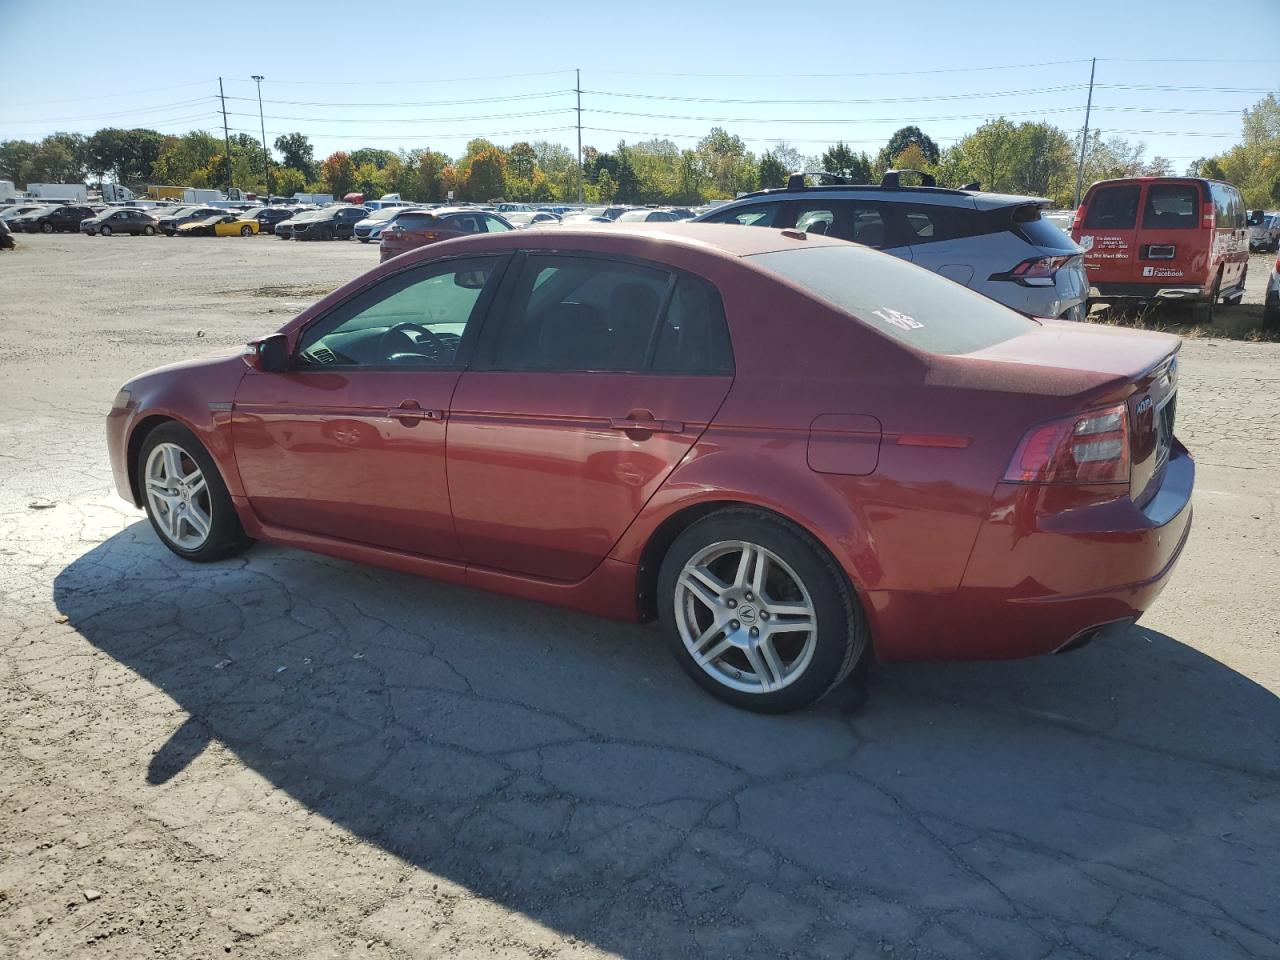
(149, 231)
(105, 230)
(46, 228)
(186, 501)
(757, 612)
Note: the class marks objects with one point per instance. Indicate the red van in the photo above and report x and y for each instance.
(1164, 238)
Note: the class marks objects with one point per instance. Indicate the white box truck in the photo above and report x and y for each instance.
(197, 195)
(70, 192)
(114, 193)
(7, 191)
(319, 199)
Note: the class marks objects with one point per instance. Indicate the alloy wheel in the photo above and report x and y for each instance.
(178, 496)
(745, 617)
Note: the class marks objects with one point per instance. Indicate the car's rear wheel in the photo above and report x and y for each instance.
(757, 612)
(186, 501)
(105, 230)
(148, 231)
(46, 228)
(246, 231)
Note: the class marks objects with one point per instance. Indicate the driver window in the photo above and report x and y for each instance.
(416, 319)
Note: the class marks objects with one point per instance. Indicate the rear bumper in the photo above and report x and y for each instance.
(1040, 580)
(1108, 292)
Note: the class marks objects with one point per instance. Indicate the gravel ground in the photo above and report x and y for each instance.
(289, 756)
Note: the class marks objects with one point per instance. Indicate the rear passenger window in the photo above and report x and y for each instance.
(693, 337)
(855, 220)
(1171, 206)
(581, 314)
(1113, 208)
(755, 215)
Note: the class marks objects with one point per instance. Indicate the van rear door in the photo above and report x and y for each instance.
(1108, 233)
(1173, 244)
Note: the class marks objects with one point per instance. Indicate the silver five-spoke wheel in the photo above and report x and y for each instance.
(178, 496)
(745, 617)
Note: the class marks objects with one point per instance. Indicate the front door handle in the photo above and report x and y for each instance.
(638, 422)
(409, 411)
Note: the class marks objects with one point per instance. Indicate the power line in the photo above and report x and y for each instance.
(368, 120)
(867, 73)
(119, 113)
(110, 96)
(839, 101)
(415, 103)
(405, 83)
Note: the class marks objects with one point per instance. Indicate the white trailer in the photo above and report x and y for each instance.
(319, 199)
(197, 195)
(71, 192)
(7, 191)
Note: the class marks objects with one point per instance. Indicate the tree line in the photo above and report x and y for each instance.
(1032, 158)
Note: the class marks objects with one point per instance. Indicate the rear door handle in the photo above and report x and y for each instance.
(646, 425)
(409, 410)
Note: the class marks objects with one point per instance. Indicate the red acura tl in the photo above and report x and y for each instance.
(787, 448)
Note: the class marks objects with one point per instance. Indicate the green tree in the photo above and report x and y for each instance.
(379, 158)
(487, 174)
(903, 138)
(296, 151)
(431, 166)
(840, 159)
(289, 181)
(772, 173)
(15, 156)
(628, 182)
(127, 155)
(338, 173)
(728, 166)
(182, 156)
(606, 190)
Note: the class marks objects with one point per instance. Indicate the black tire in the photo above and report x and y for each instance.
(46, 228)
(1203, 312)
(842, 637)
(246, 231)
(148, 231)
(104, 230)
(226, 536)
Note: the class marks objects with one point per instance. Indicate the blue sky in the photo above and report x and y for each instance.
(424, 74)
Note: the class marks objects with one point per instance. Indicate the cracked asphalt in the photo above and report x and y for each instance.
(289, 756)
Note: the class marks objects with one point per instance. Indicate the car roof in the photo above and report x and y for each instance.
(639, 239)
(941, 196)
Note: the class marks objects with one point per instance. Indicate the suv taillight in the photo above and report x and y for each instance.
(1038, 271)
(1208, 216)
(1089, 447)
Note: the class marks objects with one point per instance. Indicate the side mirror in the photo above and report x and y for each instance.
(269, 354)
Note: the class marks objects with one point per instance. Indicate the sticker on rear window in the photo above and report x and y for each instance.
(897, 319)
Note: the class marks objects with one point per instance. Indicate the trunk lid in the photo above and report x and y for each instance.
(1091, 366)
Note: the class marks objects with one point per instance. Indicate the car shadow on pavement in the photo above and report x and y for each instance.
(1118, 799)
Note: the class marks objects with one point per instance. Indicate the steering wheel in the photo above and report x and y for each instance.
(384, 344)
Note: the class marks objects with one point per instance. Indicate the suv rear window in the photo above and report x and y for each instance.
(894, 298)
(1113, 208)
(1171, 206)
(1041, 232)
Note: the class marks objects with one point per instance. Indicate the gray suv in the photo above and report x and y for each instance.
(993, 243)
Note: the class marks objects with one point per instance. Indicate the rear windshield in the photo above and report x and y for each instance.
(1171, 206)
(415, 221)
(899, 300)
(1113, 208)
(1042, 232)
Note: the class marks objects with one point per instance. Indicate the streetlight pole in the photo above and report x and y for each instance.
(266, 157)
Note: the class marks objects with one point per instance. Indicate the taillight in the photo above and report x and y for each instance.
(1090, 447)
(1036, 272)
(1208, 216)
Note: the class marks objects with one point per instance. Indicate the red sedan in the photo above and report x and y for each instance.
(789, 449)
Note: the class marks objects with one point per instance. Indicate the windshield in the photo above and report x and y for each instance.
(897, 299)
(632, 216)
(386, 213)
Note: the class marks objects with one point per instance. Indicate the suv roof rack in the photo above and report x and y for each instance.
(890, 179)
(796, 181)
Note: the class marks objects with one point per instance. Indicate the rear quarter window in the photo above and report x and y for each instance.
(1113, 208)
(898, 300)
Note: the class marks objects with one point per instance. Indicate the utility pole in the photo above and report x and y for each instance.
(1084, 140)
(226, 133)
(577, 88)
(266, 157)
